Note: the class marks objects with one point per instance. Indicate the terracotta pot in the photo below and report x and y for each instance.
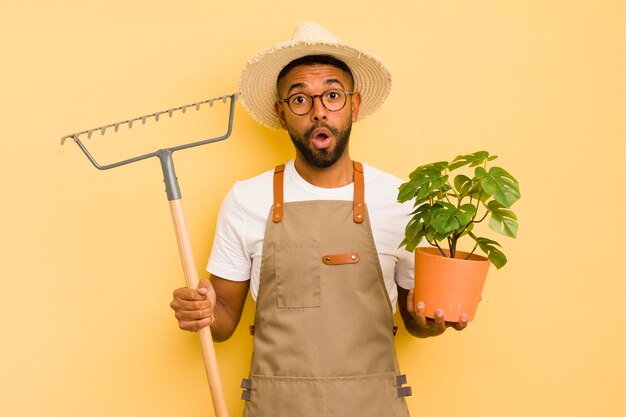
(451, 284)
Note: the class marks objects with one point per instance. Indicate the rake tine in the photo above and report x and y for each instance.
(143, 118)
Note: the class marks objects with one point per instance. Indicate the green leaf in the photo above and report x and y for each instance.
(462, 183)
(468, 230)
(406, 191)
(448, 218)
(425, 183)
(500, 184)
(411, 232)
(417, 228)
(497, 257)
(429, 168)
(474, 159)
(502, 220)
(490, 247)
(480, 172)
(468, 187)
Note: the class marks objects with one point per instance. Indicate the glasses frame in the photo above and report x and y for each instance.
(313, 97)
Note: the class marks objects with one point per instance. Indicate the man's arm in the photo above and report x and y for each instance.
(416, 323)
(218, 303)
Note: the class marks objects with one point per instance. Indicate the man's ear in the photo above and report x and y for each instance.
(280, 112)
(355, 99)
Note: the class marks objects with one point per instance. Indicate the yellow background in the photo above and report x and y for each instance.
(89, 259)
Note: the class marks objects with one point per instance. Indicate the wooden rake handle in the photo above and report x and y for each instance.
(191, 277)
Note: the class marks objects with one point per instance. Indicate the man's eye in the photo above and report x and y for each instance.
(299, 99)
(333, 95)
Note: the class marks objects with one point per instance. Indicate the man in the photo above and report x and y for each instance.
(316, 241)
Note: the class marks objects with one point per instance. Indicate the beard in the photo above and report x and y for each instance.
(321, 158)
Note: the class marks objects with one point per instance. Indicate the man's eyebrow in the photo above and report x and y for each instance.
(332, 81)
(302, 85)
(296, 85)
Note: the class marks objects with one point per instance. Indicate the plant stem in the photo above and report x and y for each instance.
(470, 254)
(451, 188)
(430, 243)
(473, 217)
(455, 238)
(487, 212)
(478, 203)
(446, 196)
(440, 250)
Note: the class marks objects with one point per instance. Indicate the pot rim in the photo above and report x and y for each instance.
(429, 251)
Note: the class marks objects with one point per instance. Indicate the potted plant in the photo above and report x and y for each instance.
(448, 209)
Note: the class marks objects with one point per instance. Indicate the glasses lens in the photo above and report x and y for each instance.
(300, 103)
(334, 100)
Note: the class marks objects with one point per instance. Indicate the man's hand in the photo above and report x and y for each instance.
(218, 303)
(419, 325)
(194, 309)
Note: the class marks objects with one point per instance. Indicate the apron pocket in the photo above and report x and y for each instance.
(357, 396)
(297, 275)
(365, 396)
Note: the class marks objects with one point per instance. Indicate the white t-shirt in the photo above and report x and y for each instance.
(238, 245)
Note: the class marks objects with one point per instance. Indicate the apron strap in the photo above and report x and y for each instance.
(279, 173)
(359, 193)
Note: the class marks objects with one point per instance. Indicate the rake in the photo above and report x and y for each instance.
(182, 235)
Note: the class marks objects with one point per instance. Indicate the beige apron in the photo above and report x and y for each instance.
(323, 331)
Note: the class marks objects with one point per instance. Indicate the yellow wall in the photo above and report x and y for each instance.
(89, 260)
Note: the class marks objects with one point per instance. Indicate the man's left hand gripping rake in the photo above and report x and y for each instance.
(180, 226)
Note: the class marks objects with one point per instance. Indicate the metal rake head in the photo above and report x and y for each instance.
(156, 115)
(165, 155)
(145, 117)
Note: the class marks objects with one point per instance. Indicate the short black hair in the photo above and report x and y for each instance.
(316, 60)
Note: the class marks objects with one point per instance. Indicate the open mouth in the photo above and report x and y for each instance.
(321, 138)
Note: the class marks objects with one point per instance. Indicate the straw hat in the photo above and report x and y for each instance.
(257, 82)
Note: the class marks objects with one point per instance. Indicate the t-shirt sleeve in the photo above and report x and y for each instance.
(229, 257)
(405, 269)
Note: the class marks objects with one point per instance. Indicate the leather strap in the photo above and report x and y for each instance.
(341, 258)
(404, 392)
(246, 394)
(279, 174)
(359, 193)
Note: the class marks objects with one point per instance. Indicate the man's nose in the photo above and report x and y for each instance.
(318, 112)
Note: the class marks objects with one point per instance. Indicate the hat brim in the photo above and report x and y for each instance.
(257, 83)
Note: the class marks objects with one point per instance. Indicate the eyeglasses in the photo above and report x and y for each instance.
(302, 103)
